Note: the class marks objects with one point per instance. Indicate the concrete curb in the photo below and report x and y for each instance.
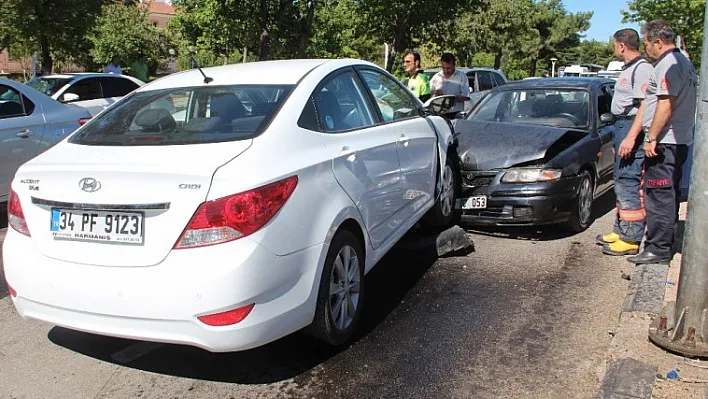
(651, 287)
(628, 377)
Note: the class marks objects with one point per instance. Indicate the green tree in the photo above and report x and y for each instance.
(55, 28)
(407, 24)
(588, 51)
(558, 31)
(125, 31)
(684, 16)
(268, 28)
(337, 32)
(215, 28)
(499, 27)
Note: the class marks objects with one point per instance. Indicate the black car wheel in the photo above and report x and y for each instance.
(443, 214)
(341, 291)
(581, 216)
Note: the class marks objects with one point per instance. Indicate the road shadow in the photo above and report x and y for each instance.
(3, 215)
(387, 285)
(602, 206)
(678, 237)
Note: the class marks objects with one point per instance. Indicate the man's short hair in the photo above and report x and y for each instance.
(416, 55)
(659, 29)
(447, 58)
(628, 37)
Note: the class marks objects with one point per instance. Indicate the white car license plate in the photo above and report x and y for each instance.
(98, 226)
(477, 202)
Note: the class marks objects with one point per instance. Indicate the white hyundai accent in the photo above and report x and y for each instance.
(229, 207)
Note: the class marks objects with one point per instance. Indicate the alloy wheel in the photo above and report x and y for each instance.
(344, 288)
(585, 201)
(447, 191)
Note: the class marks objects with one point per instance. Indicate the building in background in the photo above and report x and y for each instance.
(159, 14)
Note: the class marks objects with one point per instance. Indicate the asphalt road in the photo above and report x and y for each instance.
(529, 314)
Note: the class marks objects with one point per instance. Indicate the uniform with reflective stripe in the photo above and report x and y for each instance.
(628, 172)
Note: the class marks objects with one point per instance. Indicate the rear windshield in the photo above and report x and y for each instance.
(185, 116)
(48, 86)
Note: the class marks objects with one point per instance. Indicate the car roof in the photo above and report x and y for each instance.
(82, 75)
(570, 82)
(282, 72)
(466, 69)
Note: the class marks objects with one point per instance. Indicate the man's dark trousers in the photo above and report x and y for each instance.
(662, 184)
(630, 220)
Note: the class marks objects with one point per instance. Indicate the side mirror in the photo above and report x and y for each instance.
(607, 118)
(440, 104)
(69, 97)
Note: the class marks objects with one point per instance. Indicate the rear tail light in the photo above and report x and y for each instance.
(236, 216)
(12, 291)
(227, 318)
(83, 121)
(15, 216)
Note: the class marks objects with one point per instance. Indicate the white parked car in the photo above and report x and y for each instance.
(93, 91)
(254, 214)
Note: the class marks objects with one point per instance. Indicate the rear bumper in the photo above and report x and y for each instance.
(522, 204)
(162, 303)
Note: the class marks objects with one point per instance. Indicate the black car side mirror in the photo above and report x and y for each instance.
(607, 118)
(440, 104)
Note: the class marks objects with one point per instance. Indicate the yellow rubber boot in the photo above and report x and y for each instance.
(608, 238)
(620, 248)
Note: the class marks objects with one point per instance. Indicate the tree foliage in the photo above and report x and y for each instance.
(518, 36)
(406, 24)
(124, 30)
(267, 28)
(684, 16)
(55, 28)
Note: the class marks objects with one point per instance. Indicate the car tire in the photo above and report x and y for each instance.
(342, 287)
(444, 214)
(581, 216)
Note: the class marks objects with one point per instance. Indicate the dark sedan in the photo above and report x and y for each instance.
(537, 152)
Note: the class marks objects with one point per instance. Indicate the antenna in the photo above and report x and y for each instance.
(192, 52)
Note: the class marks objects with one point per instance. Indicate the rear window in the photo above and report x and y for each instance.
(48, 86)
(185, 116)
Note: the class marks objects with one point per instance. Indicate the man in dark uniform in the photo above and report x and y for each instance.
(628, 229)
(668, 118)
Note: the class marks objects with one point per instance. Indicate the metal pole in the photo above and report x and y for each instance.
(683, 325)
(386, 56)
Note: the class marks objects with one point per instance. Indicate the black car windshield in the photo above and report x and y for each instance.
(547, 107)
(185, 116)
(48, 86)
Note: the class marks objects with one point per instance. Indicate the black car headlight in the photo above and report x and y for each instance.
(530, 175)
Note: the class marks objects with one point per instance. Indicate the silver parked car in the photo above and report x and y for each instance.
(30, 122)
(93, 91)
(481, 81)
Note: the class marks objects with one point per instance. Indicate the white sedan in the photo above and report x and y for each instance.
(93, 91)
(254, 214)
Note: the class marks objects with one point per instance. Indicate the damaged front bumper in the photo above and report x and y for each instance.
(523, 204)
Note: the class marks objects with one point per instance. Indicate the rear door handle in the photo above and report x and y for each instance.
(24, 133)
(404, 140)
(348, 153)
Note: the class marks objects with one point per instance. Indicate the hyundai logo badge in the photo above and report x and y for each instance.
(89, 184)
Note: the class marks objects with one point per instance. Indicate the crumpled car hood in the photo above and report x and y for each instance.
(494, 145)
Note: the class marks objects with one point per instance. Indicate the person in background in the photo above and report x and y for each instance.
(139, 68)
(628, 230)
(450, 81)
(668, 118)
(114, 66)
(417, 83)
